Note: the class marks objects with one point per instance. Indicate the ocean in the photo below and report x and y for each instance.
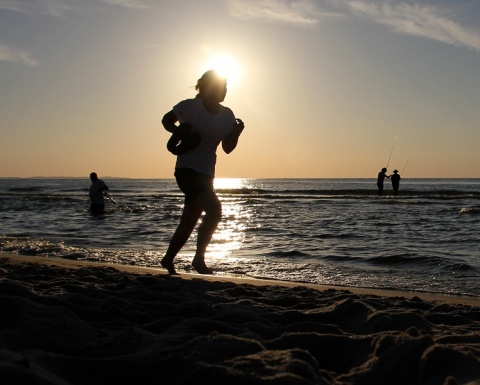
(319, 231)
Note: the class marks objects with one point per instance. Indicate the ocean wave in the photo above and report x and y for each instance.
(24, 189)
(403, 259)
(289, 254)
(470, 210)
(285, 196)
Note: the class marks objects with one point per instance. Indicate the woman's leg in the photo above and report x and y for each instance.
(191, 214)
(209, 202)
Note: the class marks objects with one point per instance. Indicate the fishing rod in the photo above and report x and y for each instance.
(107, 195)
(391, 151)
(404, 167)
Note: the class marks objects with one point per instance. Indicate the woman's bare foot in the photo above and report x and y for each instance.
(200, 267)
(169, 266)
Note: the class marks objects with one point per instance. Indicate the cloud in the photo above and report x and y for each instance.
(408, 18)
(417, 20)
(49, 7)
(126, 3)
(300, 12)
(60, 7)
(9, 54)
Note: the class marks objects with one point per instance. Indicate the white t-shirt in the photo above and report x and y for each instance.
(96, 191)
(212, 129)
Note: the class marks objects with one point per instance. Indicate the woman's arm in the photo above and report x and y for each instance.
(169, 120)
(230, 142)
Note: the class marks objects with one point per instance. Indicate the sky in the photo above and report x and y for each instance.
(326, 88)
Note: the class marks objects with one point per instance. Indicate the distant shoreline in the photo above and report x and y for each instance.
(220, 177)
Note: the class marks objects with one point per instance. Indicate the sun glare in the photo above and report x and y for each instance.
(226, 65)
(228, 183)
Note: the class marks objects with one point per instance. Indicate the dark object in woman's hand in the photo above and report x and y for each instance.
(183, 140)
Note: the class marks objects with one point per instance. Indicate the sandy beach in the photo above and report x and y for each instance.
(72, 322)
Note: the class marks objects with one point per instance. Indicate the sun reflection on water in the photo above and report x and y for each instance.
(229, 183)
(230, 234)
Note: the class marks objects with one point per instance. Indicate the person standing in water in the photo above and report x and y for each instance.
(381, 177)
(96, 194)
(211, 123)
(395, 178)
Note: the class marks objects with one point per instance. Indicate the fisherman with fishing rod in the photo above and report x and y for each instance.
(381, 177)
(97, 192)
(395, 178)
(382, 174)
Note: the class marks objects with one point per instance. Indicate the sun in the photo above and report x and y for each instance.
(226, 65)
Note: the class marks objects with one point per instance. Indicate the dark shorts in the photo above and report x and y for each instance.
(193, 183)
